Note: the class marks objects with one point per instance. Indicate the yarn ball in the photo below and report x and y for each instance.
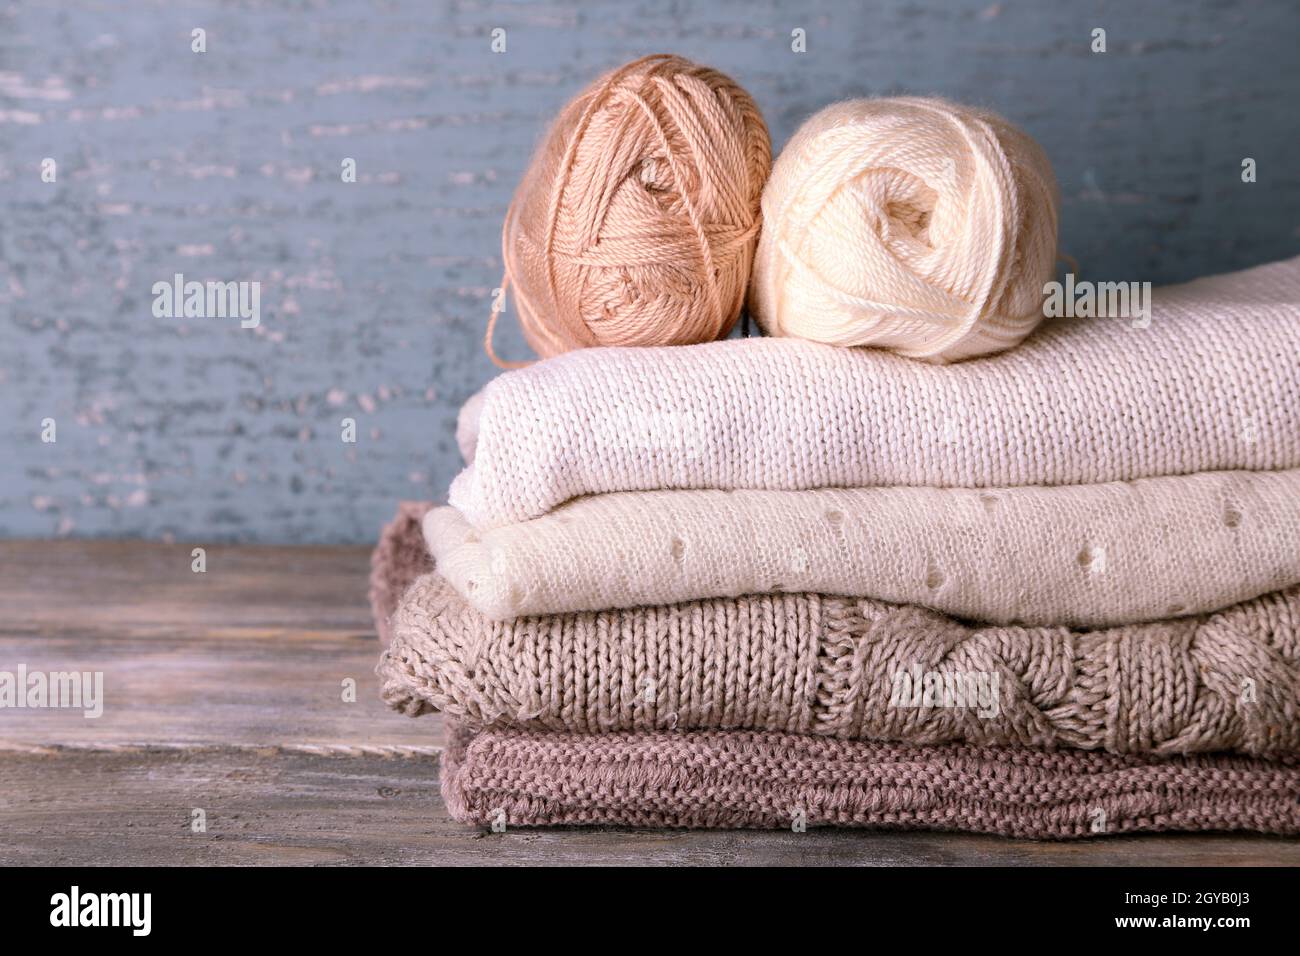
(637, 220)
(911, 224)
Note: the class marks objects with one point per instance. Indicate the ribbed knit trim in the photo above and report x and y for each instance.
(742, 779)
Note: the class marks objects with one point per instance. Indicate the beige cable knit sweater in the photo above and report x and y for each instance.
(1212, 383)
(856, 669)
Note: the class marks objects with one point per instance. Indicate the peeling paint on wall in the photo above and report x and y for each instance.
(225, 166)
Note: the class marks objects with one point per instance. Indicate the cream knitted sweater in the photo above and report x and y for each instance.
(1212, 383)
(1114, 553)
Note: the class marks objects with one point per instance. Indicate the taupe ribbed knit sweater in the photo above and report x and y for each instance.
(741, 779)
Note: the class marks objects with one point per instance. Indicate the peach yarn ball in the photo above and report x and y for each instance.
(909, 224)
(637, 220)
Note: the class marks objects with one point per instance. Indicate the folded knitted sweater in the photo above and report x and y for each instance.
(1212, 383)
(857, 669)
(742, 779)
(1112, 553)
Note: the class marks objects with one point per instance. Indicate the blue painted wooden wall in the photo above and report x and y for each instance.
(226, 165)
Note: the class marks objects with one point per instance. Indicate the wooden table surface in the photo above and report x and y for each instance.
(224, 692)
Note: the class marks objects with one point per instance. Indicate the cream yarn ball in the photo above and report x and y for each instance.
(911, 224)
(637, 220)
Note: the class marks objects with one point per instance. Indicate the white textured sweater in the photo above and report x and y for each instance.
(1212, 383)
(1096, 555)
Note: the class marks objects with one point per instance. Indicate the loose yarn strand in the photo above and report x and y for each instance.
(491, 328)
(1071, 263)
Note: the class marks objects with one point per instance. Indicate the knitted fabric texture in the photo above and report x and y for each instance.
(637, 220)
(398, 559)
(743, 779)
(907, 223)
(1112, 553)
(809, 664)
(1213, 383)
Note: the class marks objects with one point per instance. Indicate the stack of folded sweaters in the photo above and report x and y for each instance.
(1053, 592)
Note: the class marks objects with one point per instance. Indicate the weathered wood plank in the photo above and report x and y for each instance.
(254, 651)
(134, 588)
(278, 808)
